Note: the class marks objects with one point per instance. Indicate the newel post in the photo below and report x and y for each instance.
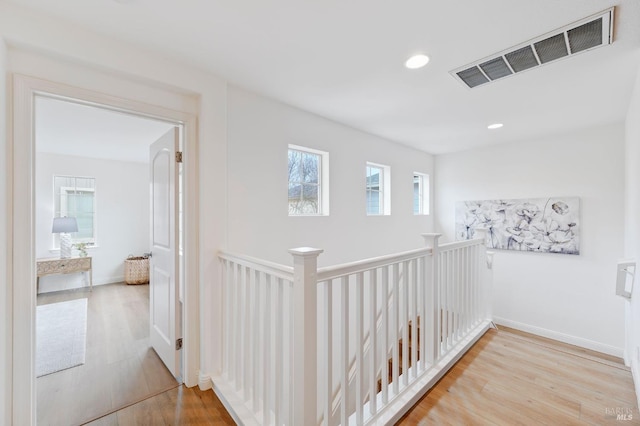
(305, 334)
(433, 292)
(486, 274)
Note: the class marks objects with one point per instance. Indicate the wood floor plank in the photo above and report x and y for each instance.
(109, 420)
(146, 412)
(617, 382)
(119, 369)
(156, 376)
(565, 347)
(177, 406)
(53, 392)
(128, 382)
(509, 378)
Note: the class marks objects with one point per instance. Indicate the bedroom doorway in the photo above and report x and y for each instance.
(93, 349)
(23, 169)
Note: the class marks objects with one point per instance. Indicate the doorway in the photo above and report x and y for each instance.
(92, 167)
(23, 261)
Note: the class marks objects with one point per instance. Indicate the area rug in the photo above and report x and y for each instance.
(61, 336)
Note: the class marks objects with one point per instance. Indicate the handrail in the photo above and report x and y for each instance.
(459, 244)
(332, 272)
(275, 269)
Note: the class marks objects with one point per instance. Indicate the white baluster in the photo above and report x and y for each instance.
(328, 350)
(465, 288)
(406, 276)
(359, 345)
(344, 355)
(268, 381)
(279, 351)
(414, 317)
(385, 335)
(432, 323)
(422, 299)
(238, 329)
(455, 288)
(246, 346)
(373, 332)
(226, 289)
(445, 285)
(395, 364)
(470, 283)
(288, 407)
(255, 341)
(246, 332)
(450, 281)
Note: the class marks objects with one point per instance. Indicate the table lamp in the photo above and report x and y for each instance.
(63, 226)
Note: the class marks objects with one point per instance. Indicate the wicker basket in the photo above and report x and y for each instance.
(136, 270)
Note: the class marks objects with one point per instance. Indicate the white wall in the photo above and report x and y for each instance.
(259, 131)
(570, 298)
(5, 294)
(122, 212)
(632, 235)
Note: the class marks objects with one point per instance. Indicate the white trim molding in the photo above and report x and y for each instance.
(21, 170)
(635, 374)
(204, 381)
(561, 337)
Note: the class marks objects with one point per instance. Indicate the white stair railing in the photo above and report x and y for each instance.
(365, 289)
(257, 330)
(350, 344)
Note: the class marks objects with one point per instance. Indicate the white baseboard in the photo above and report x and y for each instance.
(235, 407)
(108, 280)
(565, 338)
(635, 374)
(53, 283)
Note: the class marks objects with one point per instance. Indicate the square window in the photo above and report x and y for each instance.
(308, 170)
(76, 197)
(377, 189)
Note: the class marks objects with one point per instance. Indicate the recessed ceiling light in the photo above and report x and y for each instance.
(495, 126)
(417, 61)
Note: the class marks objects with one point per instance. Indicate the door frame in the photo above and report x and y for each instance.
(21, 232)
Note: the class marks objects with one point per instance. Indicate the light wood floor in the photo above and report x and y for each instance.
(178, 406)
(514, 378)
(507, 378)
(120, 367)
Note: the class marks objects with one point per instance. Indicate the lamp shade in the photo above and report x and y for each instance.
(64, 224)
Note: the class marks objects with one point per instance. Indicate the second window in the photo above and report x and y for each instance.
(377, 189)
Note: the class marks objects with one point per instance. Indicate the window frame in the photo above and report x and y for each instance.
(384, 190)
(423, 194)
(63, 209)
(322, 185)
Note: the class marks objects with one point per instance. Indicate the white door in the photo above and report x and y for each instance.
(164, 305)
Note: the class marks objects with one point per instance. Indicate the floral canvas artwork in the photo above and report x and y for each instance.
(549, 225)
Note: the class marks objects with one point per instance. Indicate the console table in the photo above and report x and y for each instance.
(63, 266)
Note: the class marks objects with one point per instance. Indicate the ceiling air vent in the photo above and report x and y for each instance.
(591, 32)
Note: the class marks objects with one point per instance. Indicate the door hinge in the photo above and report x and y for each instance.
(179, 157)
(179, 344)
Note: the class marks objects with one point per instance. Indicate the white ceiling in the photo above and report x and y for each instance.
(344, 60)
(85, 131)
